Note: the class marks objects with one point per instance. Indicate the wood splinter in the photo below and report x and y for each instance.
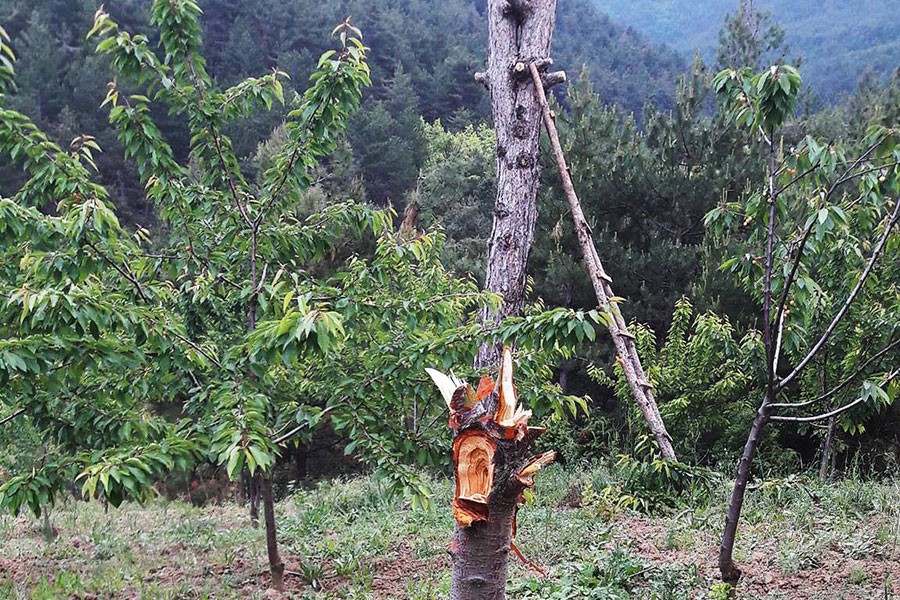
(491, 463)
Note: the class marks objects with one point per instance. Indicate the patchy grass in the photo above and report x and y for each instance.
(354, 539)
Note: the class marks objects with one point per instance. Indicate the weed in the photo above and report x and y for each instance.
(312, 573)
(346, 566)
(721, 591)
(858, 576)
(425, 590)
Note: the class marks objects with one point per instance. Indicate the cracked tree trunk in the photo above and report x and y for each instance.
(624, 341)
(492, 470)
(519, 31)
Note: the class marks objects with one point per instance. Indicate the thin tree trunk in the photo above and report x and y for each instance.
(300, 471)
(640, 386)
(261, 482)
(253, 490)
(826, 450)
(829, 435)
(564, 380)
(276, 565)
(46, 526)
(730, 572)
(241, 489)
(518, 30)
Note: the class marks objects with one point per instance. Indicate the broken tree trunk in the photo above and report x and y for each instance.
(640, 386)
(492, 470)
(519, 31)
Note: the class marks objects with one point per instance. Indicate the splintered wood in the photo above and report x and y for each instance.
(492, 437)
(473, 455)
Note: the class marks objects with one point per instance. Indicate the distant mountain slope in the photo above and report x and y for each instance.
(838, 39)
(424, 54)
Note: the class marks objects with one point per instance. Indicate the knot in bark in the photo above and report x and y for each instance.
(525, 161)
(516, 9)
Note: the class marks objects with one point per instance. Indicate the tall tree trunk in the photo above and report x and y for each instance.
(276, 565)
(640, 386)
(519, 31)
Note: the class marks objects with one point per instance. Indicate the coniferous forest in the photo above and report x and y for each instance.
(468, 299)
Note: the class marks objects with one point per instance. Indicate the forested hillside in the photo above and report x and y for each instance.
(837, 41)
(424, 54)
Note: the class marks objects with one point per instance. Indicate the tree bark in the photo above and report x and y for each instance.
(276, 565)
(481, 555)
(491, 470)
(640, 386)
(826, 450)
(519, 31)
(729, 571)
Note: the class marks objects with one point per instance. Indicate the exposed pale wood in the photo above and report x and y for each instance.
(473, 462)
(492, 468)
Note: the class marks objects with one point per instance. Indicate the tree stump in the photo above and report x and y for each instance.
(492, 468)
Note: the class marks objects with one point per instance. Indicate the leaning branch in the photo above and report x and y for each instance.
(845, 177)
(640, 387)
(844, 383)
(283, 438)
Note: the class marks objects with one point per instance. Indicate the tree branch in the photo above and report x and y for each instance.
(806, 235)
(771, 356)
(846, 306)
(124, 271)
(837, 411)
(283, 438)
(12, 416)
(844, 383)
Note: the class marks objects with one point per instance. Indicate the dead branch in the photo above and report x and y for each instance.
(624, 341)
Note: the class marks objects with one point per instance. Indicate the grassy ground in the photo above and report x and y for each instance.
(353, 539)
